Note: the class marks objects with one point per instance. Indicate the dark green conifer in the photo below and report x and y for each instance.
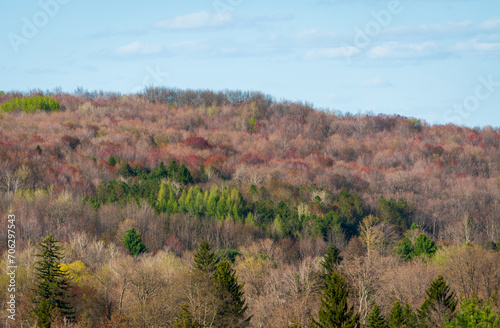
(52, 284)
(133, 243)
(439, 306)
(185, 319)
(205, 259)
(375, 319)
(396, 317)
(333, 312)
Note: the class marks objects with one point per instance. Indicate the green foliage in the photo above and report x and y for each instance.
(30, 104)
(52, 284)
(424, 246)
(396, 317)
(405, 249)
(228, 254)
(251, 124)
(395, 212)
(333, 312)
(439, 305)
(411, 320)
(185, 319)
(127, 171)
(133, 243)
(43, 312)
(113, 160)
(204, 258)
(329, 263)
(475, 313)
(183, 175)
(375, 319)
(350, 212)
(233, 308)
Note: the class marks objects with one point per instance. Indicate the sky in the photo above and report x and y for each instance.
(436, 60)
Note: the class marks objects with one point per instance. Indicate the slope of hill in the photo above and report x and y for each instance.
(242, 170)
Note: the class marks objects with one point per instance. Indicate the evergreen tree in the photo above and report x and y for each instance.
(212, 203)
(185, 319)
(330, 261)
(161, 171)
(133, 243)
(232, 310)
(410, 317)
(424, 246)
(405, 249)
(375, 319)
(172, 170)
(52, 284)
(183, 175)
(127, 171)
(439, 306)
(205, 259)
(474, 313)
(162, 201)
(333, 312)
(396, 317)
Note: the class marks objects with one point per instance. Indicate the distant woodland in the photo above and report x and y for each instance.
(194, 208)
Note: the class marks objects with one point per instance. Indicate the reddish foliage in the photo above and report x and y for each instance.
(251, 158)
(196, 143)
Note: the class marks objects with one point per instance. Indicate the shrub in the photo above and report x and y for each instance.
(31, 104)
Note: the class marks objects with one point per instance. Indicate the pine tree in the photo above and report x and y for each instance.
(424, 246)
(232, 310)
(333, 312)
(375, 319)
(330, 261)
(396, 317)
(133, 242)
(439, 306)
(183, 175)
(410, 318)
(474, 313)
(205, 259)
(52, 284)
(161, 171)
(405, 249)
(185, 319)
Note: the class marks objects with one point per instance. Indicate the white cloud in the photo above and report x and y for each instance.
(376, 82)
(404, 51)
(477, 47)
(331, 53)
(196, 20)
(139, 48)
(490, 24)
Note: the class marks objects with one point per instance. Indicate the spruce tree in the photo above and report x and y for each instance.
(185, 319)
(205, 259)
(330, 261)
(232, 310)
(396, 317)
(133, 243)
(475, 313)
(439, 306)
(52, 284)
(410, 317)
(333, 312)
(375, 319)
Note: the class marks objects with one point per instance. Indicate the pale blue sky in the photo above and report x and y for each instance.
(432, 59)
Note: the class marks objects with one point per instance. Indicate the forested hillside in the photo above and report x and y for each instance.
(182, 208)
